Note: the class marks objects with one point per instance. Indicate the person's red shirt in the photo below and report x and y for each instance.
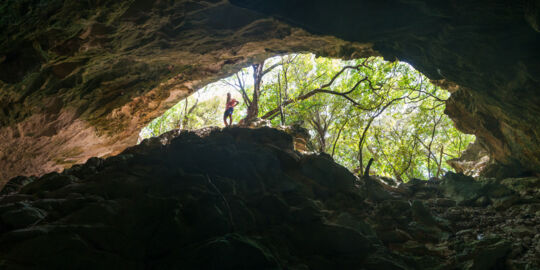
(231, 104)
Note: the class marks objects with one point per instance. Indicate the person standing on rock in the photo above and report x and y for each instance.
(229, 108)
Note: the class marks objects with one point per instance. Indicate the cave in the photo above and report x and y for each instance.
(79, 79)
(389, 110)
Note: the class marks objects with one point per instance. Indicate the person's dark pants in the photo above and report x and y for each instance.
(228, 112)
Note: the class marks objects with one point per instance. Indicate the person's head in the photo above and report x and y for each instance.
(228, 96)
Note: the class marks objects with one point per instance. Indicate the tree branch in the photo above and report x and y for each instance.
(317, 91)
(339, 134)
(244, 94)
(366, 172)
(363, 138)
(270, 68)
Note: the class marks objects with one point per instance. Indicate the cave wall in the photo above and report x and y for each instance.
(486, 52)
(80, 78)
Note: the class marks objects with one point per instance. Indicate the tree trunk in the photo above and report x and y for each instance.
(284, 94)
(430, 153)
(280, 101)
(253, 109)
(319, 127)
(339, 134)
(440, 162)
(187, 112)
(363, 137)
(366, 172)
(361, 145)
(184, 119)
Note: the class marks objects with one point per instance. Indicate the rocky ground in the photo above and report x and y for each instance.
(246, 199)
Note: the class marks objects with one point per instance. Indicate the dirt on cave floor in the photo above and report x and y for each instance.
(238, 198)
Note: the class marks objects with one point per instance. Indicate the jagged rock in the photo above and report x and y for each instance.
(468, 191)
(423, 189)
(482, 201)
(301, 136)
(244, 198)
(472, 161)
(231, 251)
(398, 210)
(255, 123)
(15, 184)
(48, 182)
(13, 198)
(333, 177)
(345, 246)
(505, 202)
(377, 262)
(455, 215)
(444, 202)
(387, 180)
(420, 232)
(421, 214)
(463, 189)
(176, 202)
(43, 246)
(22, 216)
(485, 254)
(394, 236)
(287, 157)
(374, 190)
(523, 186)
(347, 220)
(520, 231)
(306, 215)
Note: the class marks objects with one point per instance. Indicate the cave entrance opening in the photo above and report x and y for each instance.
(354, 110)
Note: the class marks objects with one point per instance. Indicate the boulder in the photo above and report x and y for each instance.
(472, 161)
(374, 190)
(22, 216)
(335, 241)
(49, 182)
(326, 173)
(444, 202)
(229, 199)
(485, 254)
(15, 184)
(505, 202)
(380, 262)
(422, 215)
(231, 251)
(461, 188)
(347, 220)
(523, 186)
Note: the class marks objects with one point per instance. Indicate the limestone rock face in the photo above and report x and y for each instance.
(80, 78)
(472, 161)
(232, 199)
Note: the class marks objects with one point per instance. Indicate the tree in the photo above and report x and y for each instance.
(258, 73)
(357, 110)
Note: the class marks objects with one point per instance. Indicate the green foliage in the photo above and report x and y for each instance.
(193, 112)
(354, 110)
